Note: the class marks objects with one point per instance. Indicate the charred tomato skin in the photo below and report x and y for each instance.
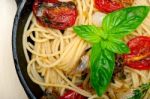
(139, 56)
(59, 15)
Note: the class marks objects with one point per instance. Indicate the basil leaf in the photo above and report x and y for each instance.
(122, 22)
(95, 52)
(106, 42)
(116, 46)
(137, 95)
(140, 92)
(101, 68)
(89, 33)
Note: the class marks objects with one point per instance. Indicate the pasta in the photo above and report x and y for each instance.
(53, 56)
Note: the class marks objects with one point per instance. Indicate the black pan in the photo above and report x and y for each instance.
(24, 8)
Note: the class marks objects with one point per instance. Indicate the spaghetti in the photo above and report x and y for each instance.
(55, 56)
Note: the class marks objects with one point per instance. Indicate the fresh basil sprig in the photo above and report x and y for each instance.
(107, 41)
(140, 92)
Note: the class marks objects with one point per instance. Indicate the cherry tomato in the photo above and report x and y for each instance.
(139, 57)
(72, 95)
(59, 15)
(107, 6)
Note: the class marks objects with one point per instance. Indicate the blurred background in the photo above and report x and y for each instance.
(10, 87)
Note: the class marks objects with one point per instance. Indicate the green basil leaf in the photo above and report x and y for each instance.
(106, 42)
(122, 22)
(102, 68)
(109, 54)
(116, 46)
(89, 33)
(140, 92)
(95, 52)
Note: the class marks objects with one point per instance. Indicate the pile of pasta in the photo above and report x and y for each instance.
(53, 56)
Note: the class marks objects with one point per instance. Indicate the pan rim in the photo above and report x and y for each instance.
(14, 51)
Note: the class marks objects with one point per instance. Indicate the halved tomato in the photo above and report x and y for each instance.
(139, 57)
(59, 15)
(108, 6)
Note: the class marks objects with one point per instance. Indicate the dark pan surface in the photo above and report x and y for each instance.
(24, 9)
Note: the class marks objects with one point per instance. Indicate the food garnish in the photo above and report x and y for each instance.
(140, 92)
(107, 41)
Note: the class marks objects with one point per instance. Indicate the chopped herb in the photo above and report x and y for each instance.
(140, 92)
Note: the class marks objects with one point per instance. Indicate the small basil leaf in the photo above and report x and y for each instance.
(137, 95)
(140, 92)
(122, 22)
(101, 68)
(89, 33)
(116, 46)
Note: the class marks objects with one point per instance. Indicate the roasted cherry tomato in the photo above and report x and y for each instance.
(72, 95)
(108, 6)
(59, 15)
(139, 57)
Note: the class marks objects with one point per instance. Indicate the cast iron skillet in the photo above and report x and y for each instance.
(24, 9)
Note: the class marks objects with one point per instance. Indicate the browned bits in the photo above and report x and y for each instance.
(119, 68)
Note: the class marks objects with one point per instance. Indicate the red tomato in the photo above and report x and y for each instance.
(60, 15)
(108, 6)
(139, 57)
(72, 95)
